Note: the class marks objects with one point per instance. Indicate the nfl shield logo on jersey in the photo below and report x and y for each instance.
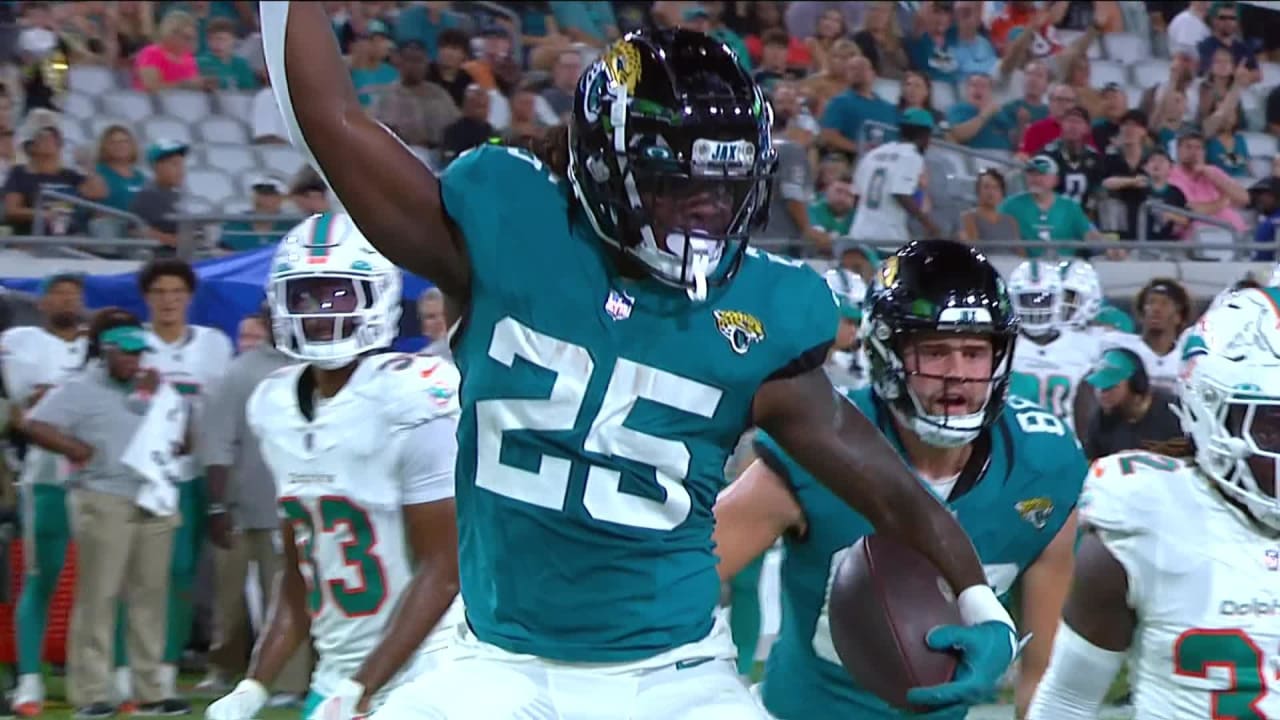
(618, 305)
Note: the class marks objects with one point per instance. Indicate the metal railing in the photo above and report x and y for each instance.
(1240, 241)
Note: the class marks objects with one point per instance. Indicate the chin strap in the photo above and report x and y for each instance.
(698, 267)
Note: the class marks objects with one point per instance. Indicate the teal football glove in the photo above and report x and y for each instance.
(986, 651)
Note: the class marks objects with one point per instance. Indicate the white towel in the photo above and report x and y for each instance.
(151, 451)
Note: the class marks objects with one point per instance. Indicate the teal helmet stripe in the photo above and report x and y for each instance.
(319, 245)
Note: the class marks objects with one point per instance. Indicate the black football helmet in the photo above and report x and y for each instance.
(670, 155)
(937, 286)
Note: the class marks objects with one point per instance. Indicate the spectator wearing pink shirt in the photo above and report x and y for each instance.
(170, 62)
(1209, 190)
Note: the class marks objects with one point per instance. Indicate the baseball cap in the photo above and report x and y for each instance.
(918, 117)
(1112, 86)
(1116, 367)
(377, 27)
(268, 184)
(129, 338)
(1041, 164)
(695, 12)
(161, 149)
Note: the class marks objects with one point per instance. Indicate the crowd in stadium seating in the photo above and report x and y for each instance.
(1097, 87)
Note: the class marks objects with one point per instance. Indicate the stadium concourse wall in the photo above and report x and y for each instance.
(230, 287)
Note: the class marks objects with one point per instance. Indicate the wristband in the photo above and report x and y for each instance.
(978, 604)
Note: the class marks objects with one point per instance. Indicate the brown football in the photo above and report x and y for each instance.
(885, 598)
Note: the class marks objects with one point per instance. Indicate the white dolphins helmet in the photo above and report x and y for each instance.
(1275, 276)
(850, 291)
(1035, 287)
(333, 296)
(1081, 293)
(1230, 402)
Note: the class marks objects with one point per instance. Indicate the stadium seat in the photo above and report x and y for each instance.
(1260, 145)
(282, 160)
(166, 128)
(1270, 74)
(1066, 37)
(73, 133)
(212, 185)
(955, 162)
(888, 90)
(186, 105)
(1150, 72)
(1124, 48)
(196, 205)
(132, 105)
(1259, 167)
(234, 104)
(229, 158)
(221, 129)
(1102, 72)
(90, 79)
(1210, 235)
(78, 105)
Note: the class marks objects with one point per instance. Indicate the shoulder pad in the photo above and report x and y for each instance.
(1128, 492)
(413, 389)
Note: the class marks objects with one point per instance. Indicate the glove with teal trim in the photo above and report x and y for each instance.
(987, 645)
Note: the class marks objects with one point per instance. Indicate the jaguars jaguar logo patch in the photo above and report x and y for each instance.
(742, 330)
(622, 64)
(1035, 511)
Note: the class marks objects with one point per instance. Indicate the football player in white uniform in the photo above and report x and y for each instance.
(1083, 303)
(1177, 567)
(887, 180)
(191, 358)
(362, 447)
(1052, 357)
(32, 360)
(1164, 306)
(847, 362)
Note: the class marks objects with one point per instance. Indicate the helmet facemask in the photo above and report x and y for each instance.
(329, 320)
(895, 352)
(679, 199)
(1236, 433)
(1039, 309)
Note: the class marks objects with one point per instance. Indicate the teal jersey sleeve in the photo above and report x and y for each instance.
(492, 189)
(802, 312)
(772, 455)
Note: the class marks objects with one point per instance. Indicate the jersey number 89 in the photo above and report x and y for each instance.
(629, 382)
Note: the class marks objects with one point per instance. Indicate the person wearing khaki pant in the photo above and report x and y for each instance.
(122, 552)
(91, 419)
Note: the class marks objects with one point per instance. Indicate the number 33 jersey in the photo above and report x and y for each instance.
(345, 468)
(1204, 582)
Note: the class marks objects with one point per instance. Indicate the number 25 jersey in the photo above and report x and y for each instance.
(345, 468)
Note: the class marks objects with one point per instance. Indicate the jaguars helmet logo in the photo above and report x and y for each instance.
(1035, 511)
(742, 330)
(889, 271)
(622, 64)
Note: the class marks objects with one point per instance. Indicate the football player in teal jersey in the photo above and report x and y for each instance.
(940, 329)
(616, 338)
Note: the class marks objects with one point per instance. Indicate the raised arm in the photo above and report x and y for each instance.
(391, 194)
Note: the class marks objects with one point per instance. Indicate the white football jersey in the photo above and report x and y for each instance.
(847, 371)
(1204, 583)
(30, 357)
(343, 477)
(1162, 369)
(1058, 367)
(193, 365)
(891, 169)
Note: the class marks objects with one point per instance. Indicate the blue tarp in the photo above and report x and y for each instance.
(229, 289)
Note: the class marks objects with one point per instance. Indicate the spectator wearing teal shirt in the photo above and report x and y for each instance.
(980, 122)
(833, 211)
(118, 167)
(950, 51)
(1031, 107)
(592, 23)
(220, 61)
(268, 199)
(422, 22)
(1042, 214)
(370, 72)
(846, 113)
